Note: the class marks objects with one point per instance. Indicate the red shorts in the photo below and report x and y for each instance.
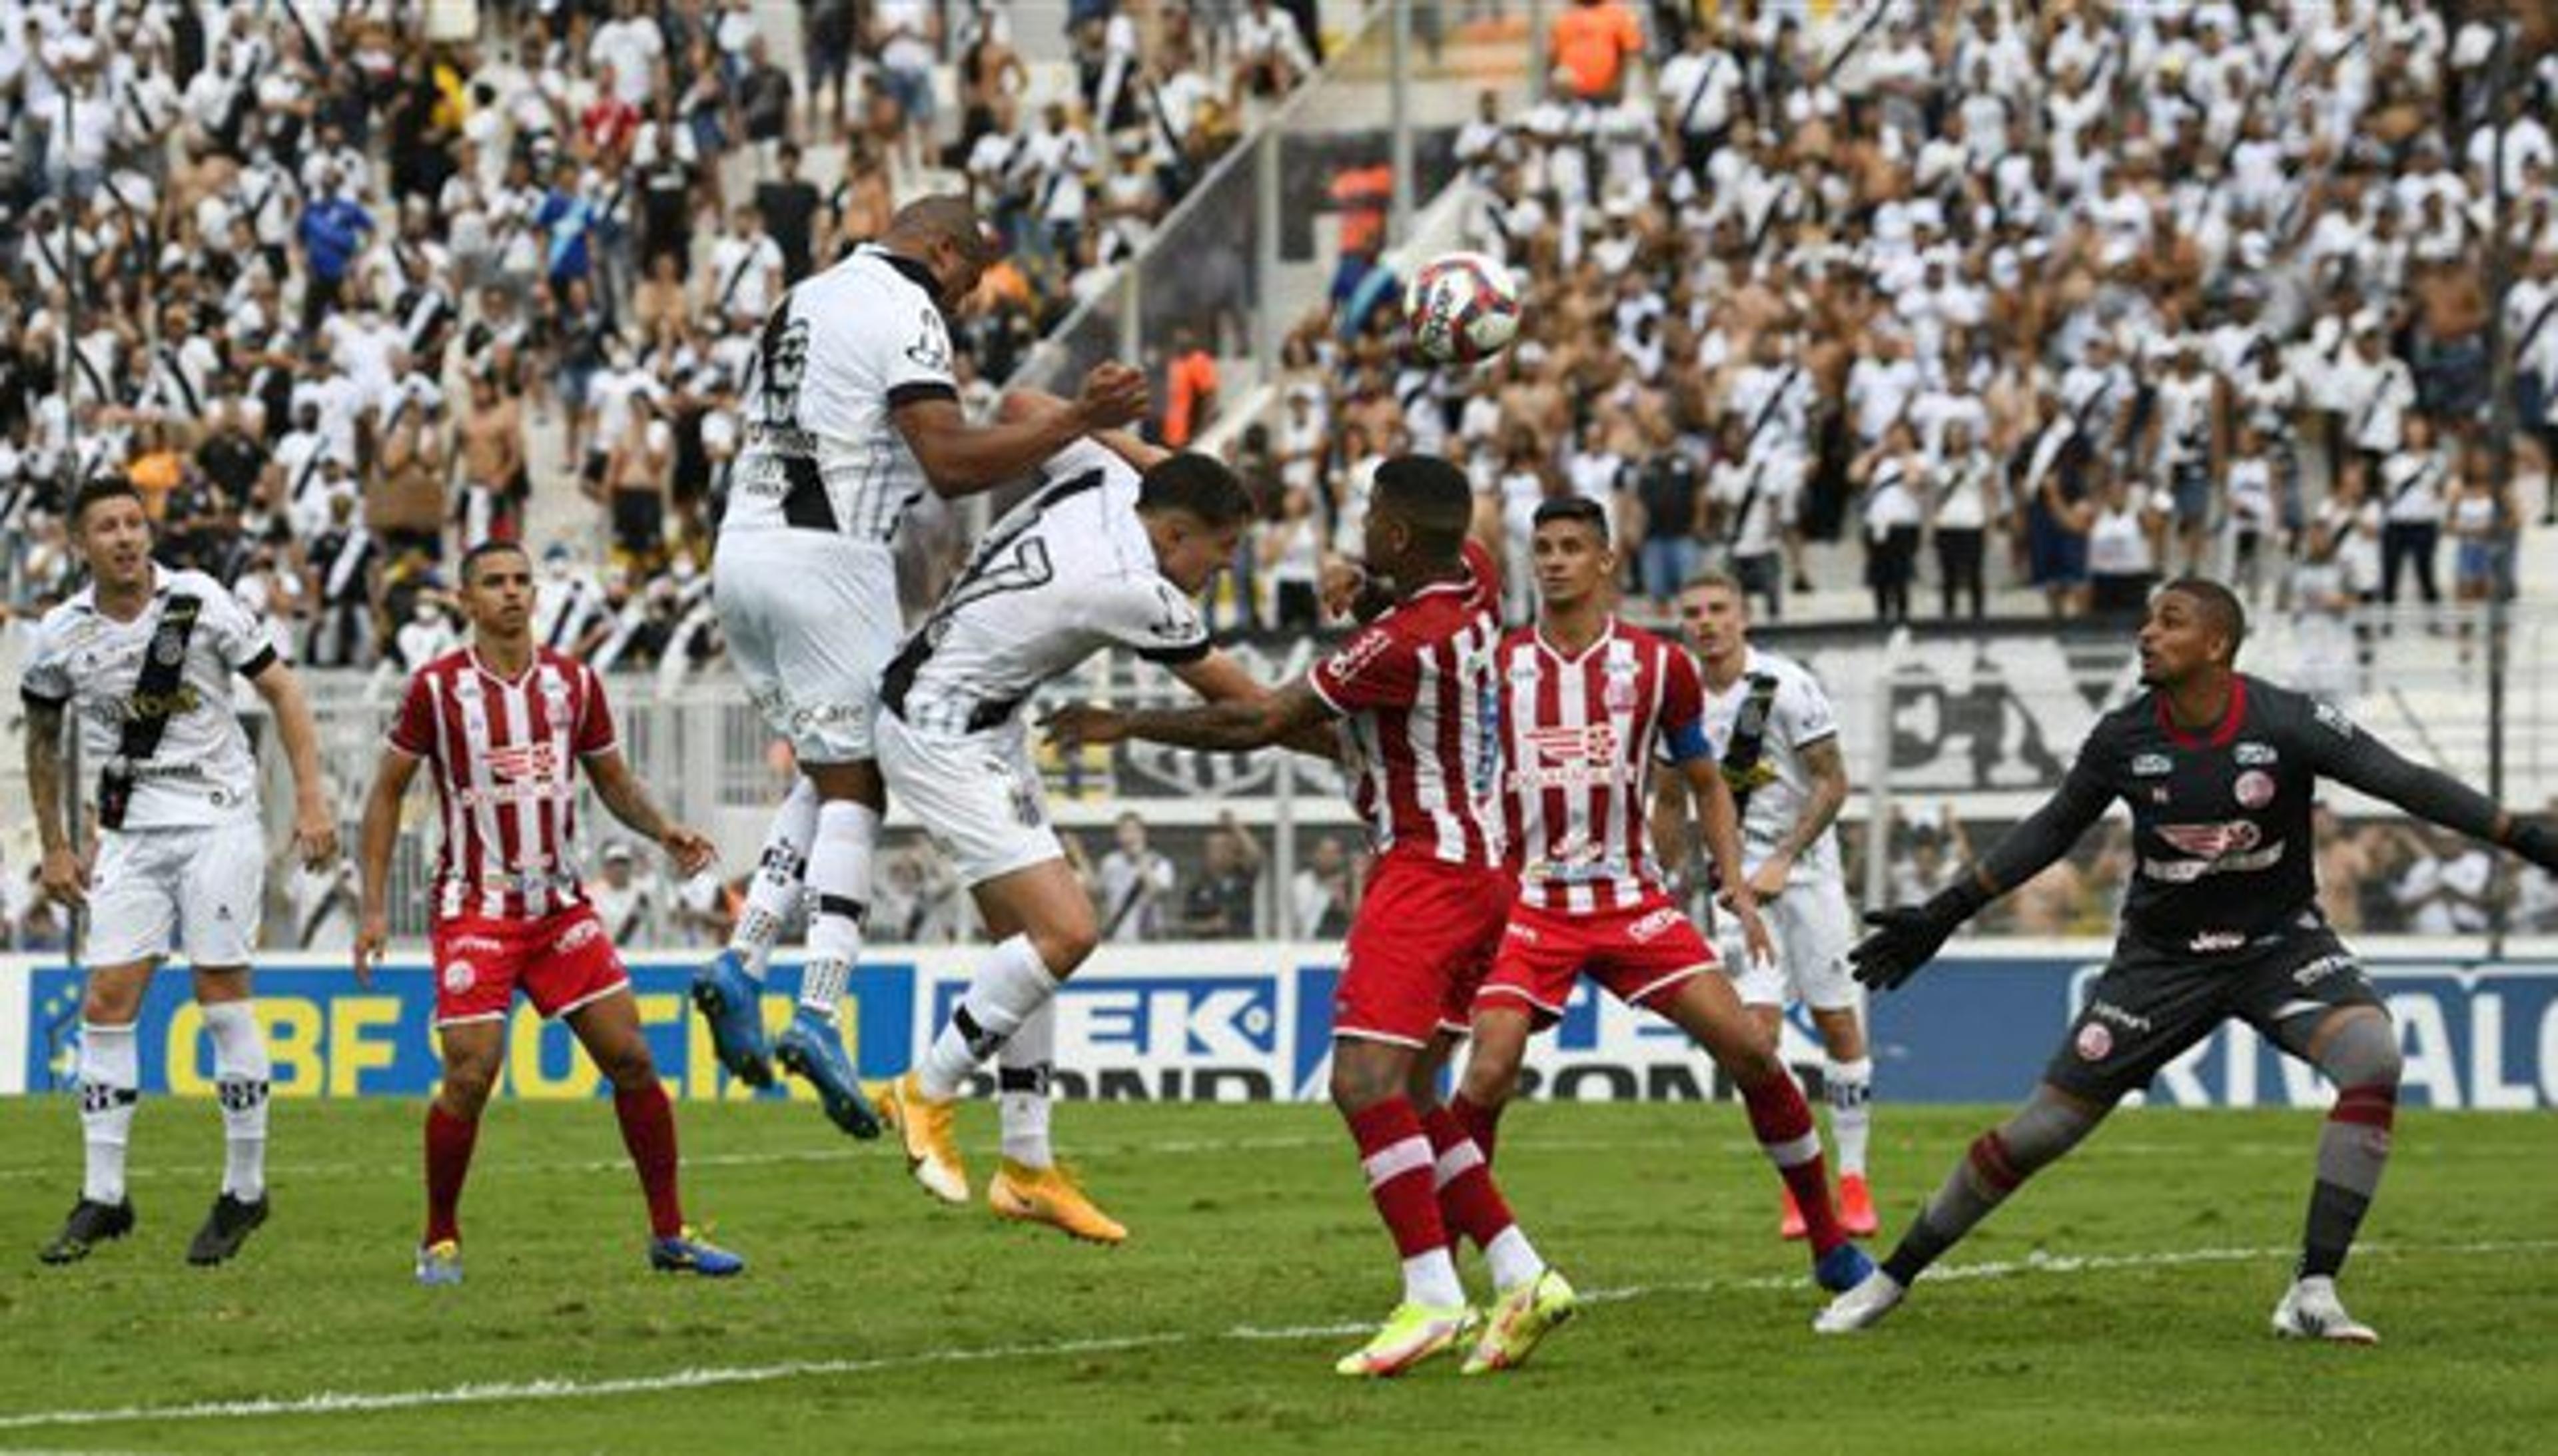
(1423, 938)
(1641, 956)
(561, 962)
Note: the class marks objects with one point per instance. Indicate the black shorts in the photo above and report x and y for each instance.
(2151, 1006)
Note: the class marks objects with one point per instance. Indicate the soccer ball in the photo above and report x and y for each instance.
(1461, 308)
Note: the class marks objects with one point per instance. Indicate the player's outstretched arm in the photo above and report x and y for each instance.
(619, 791)
(1908, 937)
(373, 842)
(2342, 752)
(961, 458)
(1231, 726)
(315, 824)
(1220, 678)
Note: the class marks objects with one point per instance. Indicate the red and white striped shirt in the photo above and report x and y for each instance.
(1580, 736)
(505, 755)
(1418, 696)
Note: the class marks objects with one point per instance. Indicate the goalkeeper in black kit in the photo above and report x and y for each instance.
(2220, 920)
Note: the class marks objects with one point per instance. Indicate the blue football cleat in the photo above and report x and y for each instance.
(690, 1253)
(812, 1048)
(1842, 1268)
(728, 1000)
(439, 1263)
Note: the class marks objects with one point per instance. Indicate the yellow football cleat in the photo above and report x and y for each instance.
(1518, 1320)
(879, 1094)
(923, 1127)
(1412, 1334)
(1049, 1196)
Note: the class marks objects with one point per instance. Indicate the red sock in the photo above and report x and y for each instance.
(1398, 1162)
(1784, 1122)
(448, 1161)
(1469, 1201)
(648, 1131)
(1481, 1123)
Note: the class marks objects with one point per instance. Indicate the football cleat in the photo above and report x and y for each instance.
(923, 1127)
(1411, 1334)
(690, 1254)
(1862, 1307)
(226, 1228)
(1790, 1223)
(91, 1224)
(727, 997)
(813, 1049)
(2309, 1310)
(1518, 1320)
(1856, 1206)
(1842, 1268)
(439, 1263)
(1051, 1195)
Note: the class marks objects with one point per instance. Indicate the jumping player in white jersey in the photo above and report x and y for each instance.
(1589, 704)
(143, 658)
(1780, 758)
(1097, 557)
(853, 415)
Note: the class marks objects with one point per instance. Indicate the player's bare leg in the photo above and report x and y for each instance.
(851, 800)
(729, 990)
(2357, 1050)
(473, 1052)
(608, 1028)
(1370, 1086)
(1532, 1299)
(110, 1080)
(1709, 1010)
(2046, 1128)
(240, 1073)
(1847, 1084)
(1044, 928)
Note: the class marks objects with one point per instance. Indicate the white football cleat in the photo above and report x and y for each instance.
(2309, 1310)
(1862, 1307)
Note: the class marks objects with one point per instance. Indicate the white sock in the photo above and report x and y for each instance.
(839, 876)
(1514, 1261)
(240, 1072)
(1010, 985)
(1431, 1279)
(1850, 1089)
(111, 1077)
(773, 888)
(1022, 1068)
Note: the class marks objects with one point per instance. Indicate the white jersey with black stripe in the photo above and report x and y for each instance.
(1066, 573)
(838, 355)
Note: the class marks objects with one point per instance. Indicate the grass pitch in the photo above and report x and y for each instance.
(2121, 1301)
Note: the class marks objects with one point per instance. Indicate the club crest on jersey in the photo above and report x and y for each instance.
(2095, 1042)
(2254, 789)
(167, 645)
(459, 977)
(2152, 766)
(2253, 755)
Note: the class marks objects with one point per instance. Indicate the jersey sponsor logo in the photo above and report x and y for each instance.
(2333, 718)
(2152, 766)
(2095, 1042)
(516, 762)
(2320, 969)
(2127, 1020)
(2254, 754)
(577, 936)
(2213, 841)
(175, 703)
(481, 945)
(1523, 668)
(2212, 942)
(1358, 654)
(2254, 789)
(1653, 926)
(1570, 758)
(2187, 871)
(1524, 934)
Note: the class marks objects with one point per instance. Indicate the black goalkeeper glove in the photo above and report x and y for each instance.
(2533, 840)
(1907, 937)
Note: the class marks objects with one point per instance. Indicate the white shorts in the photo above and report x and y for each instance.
(977, 794)
(1813, 933)
(811, 619)
(154, 892)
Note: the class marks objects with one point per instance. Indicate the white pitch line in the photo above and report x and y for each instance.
(347, 1403)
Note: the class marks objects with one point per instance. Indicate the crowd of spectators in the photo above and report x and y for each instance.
(2066, 296)
(346, 294)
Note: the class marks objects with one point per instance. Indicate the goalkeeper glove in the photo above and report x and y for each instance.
(1907, 937)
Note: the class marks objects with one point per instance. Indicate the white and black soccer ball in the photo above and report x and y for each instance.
(1461, 308)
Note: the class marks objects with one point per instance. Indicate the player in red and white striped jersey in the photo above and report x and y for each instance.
(504, 725)
(1413, 697)
(1589, 706)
